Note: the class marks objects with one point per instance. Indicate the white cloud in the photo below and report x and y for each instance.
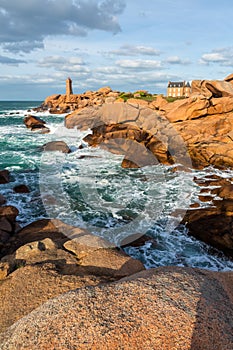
(223, 57)
(213, 57)
(139, 64)
(177, 60)
(64, 64)
(131, 50)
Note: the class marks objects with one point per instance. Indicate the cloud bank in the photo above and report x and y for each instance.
(25, 24)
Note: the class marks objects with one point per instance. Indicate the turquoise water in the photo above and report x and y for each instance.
(88, 188)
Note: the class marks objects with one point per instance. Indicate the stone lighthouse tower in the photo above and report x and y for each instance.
(69, 90)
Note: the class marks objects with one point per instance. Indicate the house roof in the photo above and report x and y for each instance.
(172, 84)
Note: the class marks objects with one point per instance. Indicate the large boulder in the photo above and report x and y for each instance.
(60, 146)
(212, 88)
(165, 308)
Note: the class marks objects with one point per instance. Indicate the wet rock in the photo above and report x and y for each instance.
(9, 212)
(60, 146)
(213, 224)
(21, 189)
(8, 216)
(4, 176)
(137, 240)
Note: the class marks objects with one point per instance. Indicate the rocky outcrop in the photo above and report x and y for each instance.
(144, 136)
(58, 104)
(213, 88)
(198, 127)
(165, 308)
(35, 124)
(139, 147)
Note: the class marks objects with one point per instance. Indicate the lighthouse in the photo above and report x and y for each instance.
(69, 90)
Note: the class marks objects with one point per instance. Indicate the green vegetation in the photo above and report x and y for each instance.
(172, 99)
(126, 95)
(140, 95)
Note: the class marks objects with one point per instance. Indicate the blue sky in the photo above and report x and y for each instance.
(125, 44)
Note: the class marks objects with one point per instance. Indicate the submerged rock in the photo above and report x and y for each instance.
(21, 189)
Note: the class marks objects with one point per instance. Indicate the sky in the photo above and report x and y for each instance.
(125, 44)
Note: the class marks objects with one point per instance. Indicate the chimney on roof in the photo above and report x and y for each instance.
(69, 90)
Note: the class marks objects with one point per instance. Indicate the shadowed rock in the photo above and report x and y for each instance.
(21, 189)
(4, 176)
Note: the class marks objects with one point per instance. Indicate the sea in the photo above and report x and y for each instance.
(89, 189)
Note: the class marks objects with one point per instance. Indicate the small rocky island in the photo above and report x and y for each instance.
(74, 290)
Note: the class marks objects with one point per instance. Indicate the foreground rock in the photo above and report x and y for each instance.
(47, 258)
(165, 308)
